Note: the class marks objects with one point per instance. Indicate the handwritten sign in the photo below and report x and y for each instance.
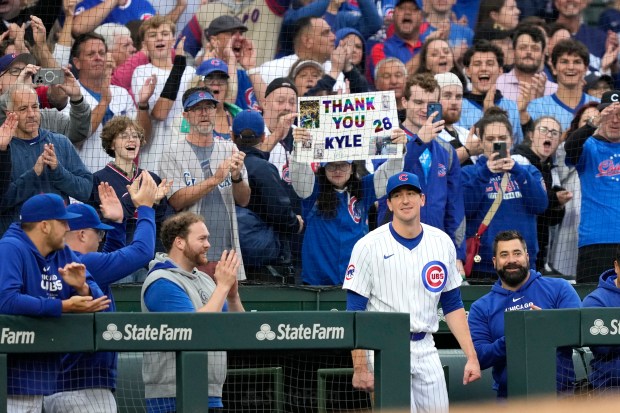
(348, 127)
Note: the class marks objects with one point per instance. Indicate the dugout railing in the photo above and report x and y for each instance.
(532, 338)
(192, 335)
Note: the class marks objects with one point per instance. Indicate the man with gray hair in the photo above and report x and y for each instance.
(118, 39)
(391, 74)
(451, 98)
(42, 161)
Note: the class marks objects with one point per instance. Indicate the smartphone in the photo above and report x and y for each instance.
(49, 77)
(500, 147)
(432, 107)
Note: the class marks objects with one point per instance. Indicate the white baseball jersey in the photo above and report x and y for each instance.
(395, 278)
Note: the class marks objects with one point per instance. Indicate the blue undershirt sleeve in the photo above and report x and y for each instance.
(451, 300)
(356, 302)
(165, 296)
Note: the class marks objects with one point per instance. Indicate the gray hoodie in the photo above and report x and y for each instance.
(159, 368)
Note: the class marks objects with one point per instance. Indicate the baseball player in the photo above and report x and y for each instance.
(406, 266)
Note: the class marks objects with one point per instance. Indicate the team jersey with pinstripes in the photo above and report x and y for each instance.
(396, 278)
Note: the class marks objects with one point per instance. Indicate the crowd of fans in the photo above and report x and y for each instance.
(131, 77)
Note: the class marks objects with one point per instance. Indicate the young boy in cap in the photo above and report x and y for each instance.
(41, 277)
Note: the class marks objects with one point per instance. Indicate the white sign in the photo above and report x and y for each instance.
(348, 127)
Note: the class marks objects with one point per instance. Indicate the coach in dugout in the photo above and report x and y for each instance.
(41, 277)
(518, 288)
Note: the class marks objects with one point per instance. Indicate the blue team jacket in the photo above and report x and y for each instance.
(32, 286)
(486, 323)
(116, 261)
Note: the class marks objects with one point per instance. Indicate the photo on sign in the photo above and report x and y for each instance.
(318, 153)
(383, 146)
(309, 114)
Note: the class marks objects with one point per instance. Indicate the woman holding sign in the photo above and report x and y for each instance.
(335, 205)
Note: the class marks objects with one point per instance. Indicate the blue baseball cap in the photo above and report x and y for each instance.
(88, 218)
(198, 97)
(403, 179)
(211, 66)
(7, 60)
(248, 120)
(45, 207)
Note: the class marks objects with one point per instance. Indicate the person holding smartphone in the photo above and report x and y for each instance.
(540, 151)
(494, 174)
(433, 160)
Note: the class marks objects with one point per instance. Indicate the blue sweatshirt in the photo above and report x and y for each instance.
(525, 198)
(32, 286)
(606, 361)
(598, 165)
(486, 323)
(327, 264)
(98, 370)
(70, 179)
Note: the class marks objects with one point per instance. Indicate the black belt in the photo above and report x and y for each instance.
(417, 336)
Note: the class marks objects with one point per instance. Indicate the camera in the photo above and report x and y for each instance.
(49, 77)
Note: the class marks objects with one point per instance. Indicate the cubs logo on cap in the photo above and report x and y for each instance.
(608, 98)
(403, 179)
(198, 97)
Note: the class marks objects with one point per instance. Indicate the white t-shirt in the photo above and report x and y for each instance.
(162, 131)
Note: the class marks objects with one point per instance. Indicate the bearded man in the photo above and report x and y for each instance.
(518, 288)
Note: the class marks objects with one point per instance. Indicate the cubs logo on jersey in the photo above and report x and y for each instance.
(354, 210)
(441, 170)
(350, 272)
(434, 276)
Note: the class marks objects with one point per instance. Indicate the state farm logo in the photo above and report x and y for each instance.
(112, 333)
(300, 332)
(134, 332)
(265, 333)
(599, 328)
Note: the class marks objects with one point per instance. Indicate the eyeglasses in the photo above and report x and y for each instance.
(13, 71)
(128, 136)
(337, 166)
(214, 81)
(546, 131)
(201, 108)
